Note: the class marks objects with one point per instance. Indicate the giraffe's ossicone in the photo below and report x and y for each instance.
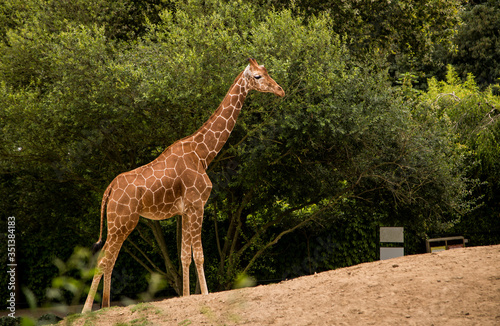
(175, 183)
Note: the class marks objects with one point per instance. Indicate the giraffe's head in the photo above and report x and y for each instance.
(259, 80)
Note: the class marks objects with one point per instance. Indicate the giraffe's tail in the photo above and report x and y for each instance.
(98, 245)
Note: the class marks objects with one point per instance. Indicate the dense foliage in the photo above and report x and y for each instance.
(90, 89)
(476, 45)
(474, 118)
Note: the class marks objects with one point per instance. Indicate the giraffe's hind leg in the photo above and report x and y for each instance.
(101, 268)
(92, 292)
(119, 227)
(118, 231)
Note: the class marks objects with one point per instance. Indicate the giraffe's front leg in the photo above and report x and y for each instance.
(191, 243)
(186, 253)
(196, 224)
(198, 260)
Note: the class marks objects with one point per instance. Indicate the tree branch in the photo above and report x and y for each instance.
(145, 256)
(171, 270)
(139, 261)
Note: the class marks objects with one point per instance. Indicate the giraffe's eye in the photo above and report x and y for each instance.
(257, 76)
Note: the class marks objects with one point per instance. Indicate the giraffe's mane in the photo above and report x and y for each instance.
(217, 112)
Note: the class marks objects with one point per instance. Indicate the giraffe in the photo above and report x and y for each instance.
(175, 183)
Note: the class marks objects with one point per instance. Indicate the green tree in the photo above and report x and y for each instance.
(473, 117)
(476, 44)
(410, 34)
(57, 113)
(123, 20)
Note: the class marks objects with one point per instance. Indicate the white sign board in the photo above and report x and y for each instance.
(391, 252)
(392, 234)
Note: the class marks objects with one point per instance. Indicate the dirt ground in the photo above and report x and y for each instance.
(455, 287)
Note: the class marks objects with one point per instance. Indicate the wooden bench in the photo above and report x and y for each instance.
(447, 243)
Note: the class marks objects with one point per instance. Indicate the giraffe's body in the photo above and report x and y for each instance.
(175, 183)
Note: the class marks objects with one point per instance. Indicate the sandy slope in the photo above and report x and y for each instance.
(456, 287)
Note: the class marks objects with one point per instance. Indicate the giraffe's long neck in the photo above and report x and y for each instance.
(215, 131)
